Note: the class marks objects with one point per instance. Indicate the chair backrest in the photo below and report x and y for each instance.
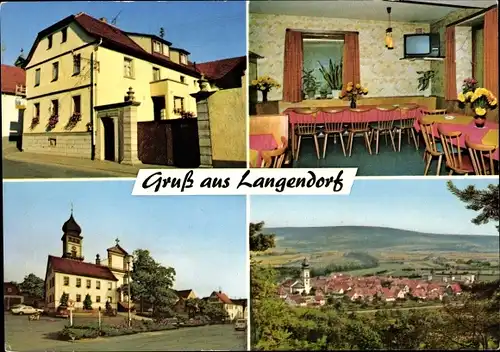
(434, 112)
(386, 114)
(410, 111)
(451, 147)
(427, 130)
(358, 118)
(306, 120)
(481, 156)
(275, 158)
(333, 118)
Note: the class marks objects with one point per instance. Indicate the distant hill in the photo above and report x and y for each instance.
(369, 238)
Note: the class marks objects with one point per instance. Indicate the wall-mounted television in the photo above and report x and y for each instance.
(421, 45)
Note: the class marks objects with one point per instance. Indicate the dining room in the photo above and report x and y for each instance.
(406, 88)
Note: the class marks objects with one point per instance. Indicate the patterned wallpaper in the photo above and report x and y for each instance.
(438, 66)
(463, 45)
(382, 71)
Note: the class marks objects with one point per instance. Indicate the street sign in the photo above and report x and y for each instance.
(71, 303)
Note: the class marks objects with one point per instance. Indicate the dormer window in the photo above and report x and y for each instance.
(64, 33)
(166, 50)
(184, 59)
(156, 46)
(49, 39)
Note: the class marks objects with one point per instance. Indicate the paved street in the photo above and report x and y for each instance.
(16, 169)
(22, 335)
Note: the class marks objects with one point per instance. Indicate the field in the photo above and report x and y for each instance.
(398, 252)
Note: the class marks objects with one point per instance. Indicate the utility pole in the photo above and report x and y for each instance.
(92, 142)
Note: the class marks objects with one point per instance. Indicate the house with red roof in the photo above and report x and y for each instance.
(233, 309)
(103, 280)
(225, 73)
(13, 80)
(11, 295)
(89, 83)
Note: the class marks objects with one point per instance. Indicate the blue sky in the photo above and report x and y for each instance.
(202, 237)
(423, 205)
(209, 30)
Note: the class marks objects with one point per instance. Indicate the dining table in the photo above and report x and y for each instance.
(258, 144)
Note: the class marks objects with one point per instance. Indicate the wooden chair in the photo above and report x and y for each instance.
(333, 128)
(409, 114)
(434, 112)
(455, 161)
(358, 125)
(306, 129)
(384, 125)
(433, 148)
(275, 158)
(481, 157)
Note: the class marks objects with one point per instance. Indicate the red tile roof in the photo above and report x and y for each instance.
(74, 267)
(222, 297)
(12, 76)
(11, 289)
(218, 69)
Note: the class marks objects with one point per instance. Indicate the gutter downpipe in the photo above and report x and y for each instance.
(92, 129)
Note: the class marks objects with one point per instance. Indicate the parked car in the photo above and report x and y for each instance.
(240, 325)
(26, 310)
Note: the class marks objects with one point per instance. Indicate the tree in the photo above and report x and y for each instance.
(87, 302)
(485, 201)
(33, 286)
(152, 283)
(63, 301)
(162, 32)
(260, 242)
(215, 311)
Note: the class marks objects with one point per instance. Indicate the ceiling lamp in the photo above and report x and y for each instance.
(389, 44)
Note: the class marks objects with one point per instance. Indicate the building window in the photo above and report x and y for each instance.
(89, 283)
(78, 282)
(64, 33)
(98, 285)
(78, 298)
(184, 59)
(66, 281)
(156, 74)
(110, 286)
(178, 104)
(55, 71)
(128, 70)
(37, 77)
(166, 50)
(97, 299)
(77, 60)
(77, 104)
(110, 299)
(55, 108)
(37, 110)
(49, 39)
(183, 79)
(156, 46)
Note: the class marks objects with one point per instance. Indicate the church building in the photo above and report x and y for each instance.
(104, 280)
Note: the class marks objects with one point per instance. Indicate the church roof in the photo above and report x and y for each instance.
(74, 267)
(70, 226)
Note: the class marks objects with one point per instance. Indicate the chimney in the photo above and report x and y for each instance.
(97, 259)
(103, 19)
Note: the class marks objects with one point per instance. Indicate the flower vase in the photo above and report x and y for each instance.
(353, 104)
(264, 96)
(479, 121)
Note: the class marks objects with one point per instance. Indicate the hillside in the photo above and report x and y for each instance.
(368, 238)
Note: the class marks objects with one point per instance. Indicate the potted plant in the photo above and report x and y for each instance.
(324, 92)
(424, 81)
(265, 84)
(352, 92)
(480, 100)
(332, 76)
(309, 83)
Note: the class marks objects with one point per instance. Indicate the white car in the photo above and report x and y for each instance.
(240, 325)
(25, 310)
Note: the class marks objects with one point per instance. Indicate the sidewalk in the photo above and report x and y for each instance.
(79, 164)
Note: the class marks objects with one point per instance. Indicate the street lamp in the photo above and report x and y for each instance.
(129, 263)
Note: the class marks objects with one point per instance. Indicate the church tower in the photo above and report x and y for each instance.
(306, 277)
(72, 239)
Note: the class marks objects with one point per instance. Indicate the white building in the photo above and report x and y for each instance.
(13, 91)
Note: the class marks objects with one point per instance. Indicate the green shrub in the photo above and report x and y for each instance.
(68, 334)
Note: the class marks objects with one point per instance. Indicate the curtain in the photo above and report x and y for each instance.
(450, 69)
(350, 62)
(490, 78)
(293, 67)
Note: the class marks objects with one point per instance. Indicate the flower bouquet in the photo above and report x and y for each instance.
(53, 120)
(265, 84)
(352, 91)
(480, 100)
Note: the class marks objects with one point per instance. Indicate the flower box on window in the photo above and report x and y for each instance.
(53, 120)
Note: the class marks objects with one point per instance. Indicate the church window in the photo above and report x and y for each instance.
(66, 281)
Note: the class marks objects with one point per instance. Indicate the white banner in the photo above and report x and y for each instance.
(158, 182)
